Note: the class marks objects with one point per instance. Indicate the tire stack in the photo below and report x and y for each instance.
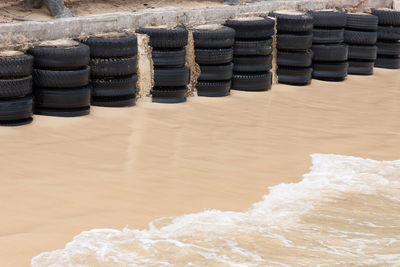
(171, 77)
(16, 102)
(361, 36)
(388, 38)
(252, 58)
(214, 52)
(294, 40)
(113, 63)
(61, 79)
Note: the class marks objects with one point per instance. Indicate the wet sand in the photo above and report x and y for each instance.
(121, 167)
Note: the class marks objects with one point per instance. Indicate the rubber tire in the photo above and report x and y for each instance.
(388, 48)
(75, 112)
(294, 58)
(328, 19)
(365, 52)
(253, 48)
(216, 72)
(16, 67)
(112, 47)
(61, 78)
(389, 33)
(387, 17)
(56, 98)
(169, 95)
(361, 67)
(252, 29)
(213, 88)
(330, 71)
(221, 38)
(360, 37)
(292, 42)
(388, 62)
(171, 58)
(328, 36)
(115, 102)
(213, 56)
(330, 52)
(171, 77)
(166, 38)
(293, 23)
(60, 58)
(252, 81)
(112, 67)
(15, 88)
(15, 110)
(252, 63)
(114, 87)
(364, 22)
(294, 76)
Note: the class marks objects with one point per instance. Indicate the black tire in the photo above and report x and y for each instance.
(328, 19)
(213, 88)
(169, 94)
(171, 77)
(213, 56)
(15, 88)
(330, 71)
(253, 48)
(112, 67)
(114, 87)
(115, 102)
(387, 16)
(60, 58)
(357, 67)
(330, 52)
(389, 33)
(292, 23)
(257, 29)
(294, 76)
(294, 58)
(61, 79)
(112, 47)
(363, 21)
(56, 98)
(360, 37)
(16, 67)
(294, 42)
(216, 72)
(365, 52)
(171, 58)
(223, 37)
(166, 38)
(252, 63)
(72, 112)
(387, 62)
(328, 36)
(16, 110)
(388, 48)
(252, 81)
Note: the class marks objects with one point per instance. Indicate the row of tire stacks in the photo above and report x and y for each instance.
(361, 36)
(214, 52)
(294, 41)
(16, 101)
(388, 38)
(61, 79)
(252, 60)
(171, 77)
(113, 63)
(330, 53)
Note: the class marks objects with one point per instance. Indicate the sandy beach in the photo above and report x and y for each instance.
(120, 167)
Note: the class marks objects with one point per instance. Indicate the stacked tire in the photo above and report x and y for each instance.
(214, 51)
(252, 60)
(330, 53)
(388, 38)
(361, 36)
(294, 40)
(61, 79)
(171, 77)
(16, 102)
(113, 62)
